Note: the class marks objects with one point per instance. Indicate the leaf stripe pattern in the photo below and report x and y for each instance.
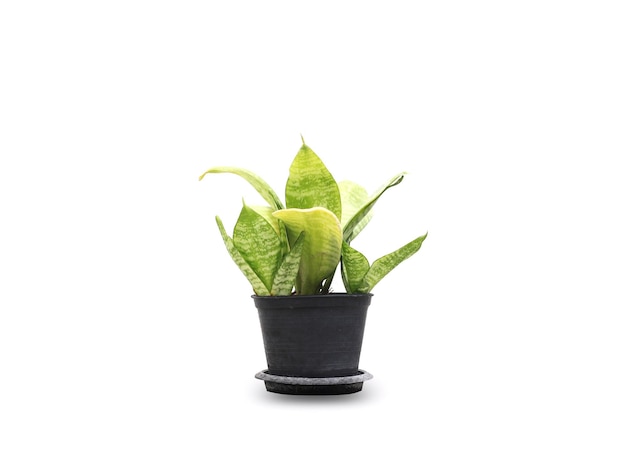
(310, 184)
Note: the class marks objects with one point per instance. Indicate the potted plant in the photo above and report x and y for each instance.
(289, 252)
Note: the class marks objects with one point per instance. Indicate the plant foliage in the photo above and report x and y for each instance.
(296, 247)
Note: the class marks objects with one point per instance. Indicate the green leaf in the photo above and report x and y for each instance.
(353, 198)
(285, 278)
(267, 213)
(257, 285)
(352, 228)
(258, 243)
(279, 227)
(381, 267)
(257, 182)
(354, 266)
(322, 245)
(310, 184)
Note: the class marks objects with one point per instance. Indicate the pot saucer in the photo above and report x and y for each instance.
(314, 385)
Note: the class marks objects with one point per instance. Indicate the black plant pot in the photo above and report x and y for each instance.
(313, 343)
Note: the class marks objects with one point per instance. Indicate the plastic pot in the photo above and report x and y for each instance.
(313, 343)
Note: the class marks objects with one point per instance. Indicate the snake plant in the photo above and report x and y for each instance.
(296, 247)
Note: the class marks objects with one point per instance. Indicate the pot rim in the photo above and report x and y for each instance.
(334, 300)
(318, 296)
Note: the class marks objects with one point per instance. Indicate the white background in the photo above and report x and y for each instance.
(128, 340)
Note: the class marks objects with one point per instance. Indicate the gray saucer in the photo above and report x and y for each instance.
(314, 385)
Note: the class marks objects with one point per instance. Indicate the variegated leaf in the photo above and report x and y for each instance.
(258, 243)
(351, 229)
(257, 182)
(381, 267)
(353, 198)
(310, 184)
(354, 266)
(285, 278)
(267, 213)
(257, 285)
(322, 245)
